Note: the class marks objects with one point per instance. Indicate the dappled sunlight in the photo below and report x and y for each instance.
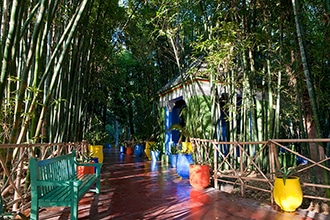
(143, 190)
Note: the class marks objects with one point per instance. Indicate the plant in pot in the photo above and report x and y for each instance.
(184, 159)
(122, 148)
(96, 139)
(149, 142)
(287, 190)
(129, 146)
(174, 155)
(183, 141)
(184, 148)
(138, 148)
(156, 149)
(82, 163)
(200, 170)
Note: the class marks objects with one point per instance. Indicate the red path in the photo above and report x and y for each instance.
(133, 188)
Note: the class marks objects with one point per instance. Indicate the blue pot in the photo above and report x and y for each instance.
(173, 160)
(122, 150)
(154, 166)
(155, 155)
(138, 150)
(182, 165)
(95, 160)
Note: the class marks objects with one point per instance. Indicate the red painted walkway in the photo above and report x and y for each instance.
(133, 188)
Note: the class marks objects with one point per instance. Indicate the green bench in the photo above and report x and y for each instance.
(55, 182)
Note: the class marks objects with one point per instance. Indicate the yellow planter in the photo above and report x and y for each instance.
(187, 147)
(147, 150)
(289, 196)
(96, 151)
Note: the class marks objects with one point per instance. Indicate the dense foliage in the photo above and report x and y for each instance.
(67, 64)
(75, 68)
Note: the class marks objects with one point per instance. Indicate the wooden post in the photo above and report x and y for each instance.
(272, 159)
(241, 168)
(272, 154)
(215, 162)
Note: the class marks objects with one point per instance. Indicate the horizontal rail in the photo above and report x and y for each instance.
(236, 159)
(14, 159)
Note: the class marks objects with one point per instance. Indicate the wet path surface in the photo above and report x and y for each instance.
(134, 188)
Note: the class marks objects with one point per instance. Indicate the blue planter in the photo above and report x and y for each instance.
(122, 150)
(154, 166)
(182, 165)
(173, 160)
(95, 160)
(155, 155)
(138, 150)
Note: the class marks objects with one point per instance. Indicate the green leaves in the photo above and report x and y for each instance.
(97, 137)
(286, 172)
(156, 146)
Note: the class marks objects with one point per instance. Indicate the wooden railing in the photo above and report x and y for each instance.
(244, 165)
(14, 181)
(253, 165)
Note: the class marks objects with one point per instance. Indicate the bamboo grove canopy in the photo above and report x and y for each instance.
(70, 65)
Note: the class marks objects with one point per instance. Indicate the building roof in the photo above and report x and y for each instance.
(193, 74)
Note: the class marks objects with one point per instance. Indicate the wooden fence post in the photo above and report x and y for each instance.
(215, 162)
(272, 153)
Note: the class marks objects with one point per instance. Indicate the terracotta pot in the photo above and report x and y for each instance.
(288, 196)
(199, 176)
(129, 150)
(85, 170)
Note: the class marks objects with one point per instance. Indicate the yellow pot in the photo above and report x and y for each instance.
(288, 196)
(147, 150)
(96, 151)
(187, 147)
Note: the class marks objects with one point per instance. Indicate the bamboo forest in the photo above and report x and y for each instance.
(98, 70)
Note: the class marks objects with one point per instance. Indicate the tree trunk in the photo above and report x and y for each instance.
(313, 121)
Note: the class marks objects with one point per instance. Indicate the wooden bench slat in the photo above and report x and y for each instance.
(57, 194)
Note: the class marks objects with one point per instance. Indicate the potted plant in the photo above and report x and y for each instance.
(149, 143)
(184, 160)
(192, 162)
(184, 135)
(174, 155)
(83, 159)
(200, 169)
(129, 146)
(184, 157)
(287, 190)
(156, 150)
(96, 139)
(138, 148)
(122, 148)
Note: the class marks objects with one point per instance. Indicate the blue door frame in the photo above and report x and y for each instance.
(171, 117)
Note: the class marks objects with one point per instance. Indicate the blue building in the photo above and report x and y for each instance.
(194, 93)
